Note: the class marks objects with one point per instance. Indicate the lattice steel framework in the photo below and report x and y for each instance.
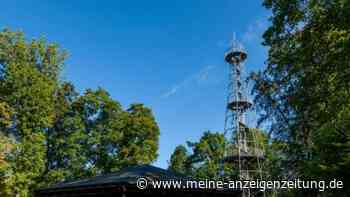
(243, 151)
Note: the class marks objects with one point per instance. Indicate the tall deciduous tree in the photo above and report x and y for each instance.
(28, 79)
(50, 133)
(139, 144)
(94, 135)
(101, 117)
(305, 87)
(65, 158)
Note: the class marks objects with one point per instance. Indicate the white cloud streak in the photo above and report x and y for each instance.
(255, 30)
(199, 77)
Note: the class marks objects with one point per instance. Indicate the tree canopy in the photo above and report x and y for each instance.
(304, 90)
(49, 132)
(204, 159)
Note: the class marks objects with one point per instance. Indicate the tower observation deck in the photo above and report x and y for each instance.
(242, 152)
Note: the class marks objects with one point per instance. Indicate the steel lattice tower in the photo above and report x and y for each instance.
(242, 152)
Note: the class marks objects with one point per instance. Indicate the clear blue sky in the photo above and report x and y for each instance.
(165, 54)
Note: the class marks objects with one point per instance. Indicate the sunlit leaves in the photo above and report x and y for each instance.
(309, 43)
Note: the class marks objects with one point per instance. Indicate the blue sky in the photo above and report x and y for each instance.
(165, 54)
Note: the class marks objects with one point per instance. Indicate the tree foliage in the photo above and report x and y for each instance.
(304, 91)
(204, 159)
(27, 83)
(50, 133)
(179, 160)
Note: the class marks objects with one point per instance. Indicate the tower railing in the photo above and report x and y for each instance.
(243, 149)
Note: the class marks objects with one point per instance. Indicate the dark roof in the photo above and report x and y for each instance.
(127, 175)
(124, 182)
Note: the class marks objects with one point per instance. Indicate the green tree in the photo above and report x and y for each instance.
(28, 79)
(65, 158)
(179, 160)
(6, 146)
(304, 89)
(93, 135)
(55, 134)
(139, 144)
(204, 159)
(209, 151)
(101, 119)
